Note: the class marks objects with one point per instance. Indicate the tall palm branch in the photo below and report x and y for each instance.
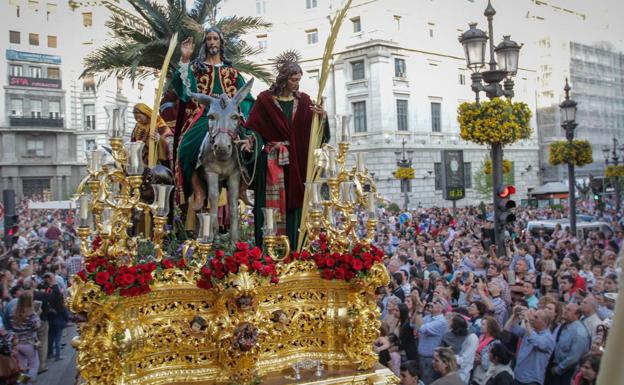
(139, 44)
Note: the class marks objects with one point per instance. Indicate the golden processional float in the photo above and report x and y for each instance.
(158, 312)
(203, 311)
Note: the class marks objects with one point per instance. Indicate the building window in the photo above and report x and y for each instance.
(406, 186)
(435, 117)
(262, 41)
(397, 19)
(461, 76)
(14, 37)
(311, 4)
(90, 145)
(33, 38)
(401, 107)
(357, 70)
(399, 68)
(431, 28)
(35, 72)
(89, 116)
(54, 73)
(467, 175)
(17, 107)
(87, 19)
(313, 76)
(35, 108)
(312, 35)
(50, 9)
(34, 147)
(54, 108)
(260, 7)
(359, 116)
(51, 41)
(33, 5)
(437, 172)
(35, 186)
(88, 83)
(357, 24)
(16, 70)
(119, 85)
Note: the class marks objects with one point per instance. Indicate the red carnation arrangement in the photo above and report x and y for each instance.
(215, 271)
(353, 264)
(127, 281)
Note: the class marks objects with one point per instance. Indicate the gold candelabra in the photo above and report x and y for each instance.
(108, 209)
(337, 199)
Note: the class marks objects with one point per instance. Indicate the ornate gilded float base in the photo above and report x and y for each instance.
(379, 375)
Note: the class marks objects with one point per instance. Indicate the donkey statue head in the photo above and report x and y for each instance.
(223, 121)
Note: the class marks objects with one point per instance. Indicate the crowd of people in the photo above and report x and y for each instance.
(35, 272)
(456, 313)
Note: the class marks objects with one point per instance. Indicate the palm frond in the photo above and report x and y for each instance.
(255, 70)
(236, 26)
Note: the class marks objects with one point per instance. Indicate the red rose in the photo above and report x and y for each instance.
(357, 249)
(256, 265)
(181, 263)
(204, 284)
(206, 271)
(232, 267)
(294, 255)
(349, 274)
(109, 288)
(357, 265)
(322, 237)
(274, 279)
(339, 273)
(91, 266)
(166, 263)
(140, 279)
(101, 277)
(83, 275)
(368, 264)
(255, 253)
(267, 270)
(123, 292)
(128, 279)
(145, 289)
(97, 242)
(242, 246)
(118, 280)
(134, 291)
(219, 253)
(132, 270)
(323, 246)
(330, 262)
(319, 260)
(328, 274)
(219, 274)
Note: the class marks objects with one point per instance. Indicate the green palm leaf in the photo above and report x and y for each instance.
(139, 45)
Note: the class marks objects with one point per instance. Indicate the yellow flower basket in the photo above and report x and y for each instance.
(404, 173)
(614, 171)
(487, 166)
(494, 121)
(579, 152)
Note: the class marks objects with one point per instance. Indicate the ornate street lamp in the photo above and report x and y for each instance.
(405, 162)
(615, 159)
(568, 123)
(507, 54)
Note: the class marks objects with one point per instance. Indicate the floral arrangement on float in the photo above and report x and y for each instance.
(579, 152)
(494, 121)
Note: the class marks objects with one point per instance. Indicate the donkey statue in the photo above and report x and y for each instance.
(219, 153)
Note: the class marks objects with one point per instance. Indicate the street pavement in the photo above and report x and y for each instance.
(61, 372)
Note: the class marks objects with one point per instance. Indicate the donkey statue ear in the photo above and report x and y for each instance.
(242, 93)
(204, 99)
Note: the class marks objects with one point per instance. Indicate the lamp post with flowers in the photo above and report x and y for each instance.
(568, 123)
(614, 170)
(502, 68)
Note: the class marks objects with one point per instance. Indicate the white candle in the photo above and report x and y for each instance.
(84, 207)
(345, 191)
(162, 195)
(268, 219)
(96, 160)
(359, 164)
(345, 128)
(331, 164)
(315, 193)
(371, 204)
(206, 226)
(134, 159)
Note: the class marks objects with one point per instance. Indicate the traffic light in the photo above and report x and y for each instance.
(11, 228)
(505, 204)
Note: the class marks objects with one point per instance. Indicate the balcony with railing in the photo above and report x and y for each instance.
(29, 121)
